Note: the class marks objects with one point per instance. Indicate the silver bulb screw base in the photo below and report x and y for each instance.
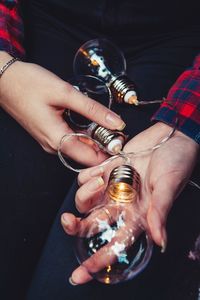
(111, 141)
(123, 90)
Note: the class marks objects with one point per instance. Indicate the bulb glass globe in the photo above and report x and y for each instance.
(93, 88)
(100, 58)
(112, 243)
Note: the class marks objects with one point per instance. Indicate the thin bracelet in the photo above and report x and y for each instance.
(7, 65)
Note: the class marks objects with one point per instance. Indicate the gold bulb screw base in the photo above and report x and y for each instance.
(124, 184)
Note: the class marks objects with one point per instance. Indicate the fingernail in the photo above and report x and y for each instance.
(95, 184)
(65, 220)
(97, 171)
(71, 281)
(163, 246)
(115, 121)
(122, 127)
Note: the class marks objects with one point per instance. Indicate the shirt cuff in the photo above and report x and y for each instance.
(11, 29)
(183, 103)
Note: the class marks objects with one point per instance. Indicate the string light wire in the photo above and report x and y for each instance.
(124, 155)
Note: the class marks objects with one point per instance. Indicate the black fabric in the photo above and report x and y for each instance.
(169, 276)
(33, 183)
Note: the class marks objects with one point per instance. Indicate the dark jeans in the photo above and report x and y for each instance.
(168, 276)
(34, 183)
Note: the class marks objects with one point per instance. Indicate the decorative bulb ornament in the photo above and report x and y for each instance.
(102, 59)
(109, 141)
(111, 241)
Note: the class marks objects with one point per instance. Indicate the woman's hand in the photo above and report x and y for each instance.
(37, 98)
(163, 173)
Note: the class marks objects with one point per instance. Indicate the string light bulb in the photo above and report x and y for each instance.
(111, 242)
(109, 141)
(102, 59)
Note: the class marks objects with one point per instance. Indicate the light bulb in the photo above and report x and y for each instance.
(101, 58)
(109, 141)
(111, 242)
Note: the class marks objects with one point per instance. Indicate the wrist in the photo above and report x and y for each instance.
(6, 61)
(190, 143)
(4, 58)
(178, 133)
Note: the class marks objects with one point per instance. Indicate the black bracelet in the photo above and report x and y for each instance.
(7, 65)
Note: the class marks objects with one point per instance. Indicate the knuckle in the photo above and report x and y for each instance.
(79, 201)
(65, 90)
(80, 179)
(49, 146)
(92, 265)
(47, 149)
(68, 88)
(92, 107)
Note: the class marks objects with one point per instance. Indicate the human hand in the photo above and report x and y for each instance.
(106, 242)
(37, 98)
(163, 173)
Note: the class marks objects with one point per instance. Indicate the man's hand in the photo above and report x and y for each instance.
(163, 173)
(37, 98)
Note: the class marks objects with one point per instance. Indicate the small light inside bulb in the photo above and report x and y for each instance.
(109, 268)
(85, 53)
(94, 62)
(107, 280)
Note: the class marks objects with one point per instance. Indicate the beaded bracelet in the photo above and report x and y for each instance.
(7, 65)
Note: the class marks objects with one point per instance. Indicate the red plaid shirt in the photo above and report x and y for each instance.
(183, 103)
(11, 28)
(183, 100)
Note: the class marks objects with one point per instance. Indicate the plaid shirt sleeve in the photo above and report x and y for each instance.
(11, 28)
(183, 102)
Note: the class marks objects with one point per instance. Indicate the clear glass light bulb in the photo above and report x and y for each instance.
(111, 242)
(101, 58)
(110, 141)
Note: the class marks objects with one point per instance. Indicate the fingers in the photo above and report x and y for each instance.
(70, 223)
(77, 150)
(88, 226)
(80, 276)
(54, 128)
(103, 171)
(86, 174)
(91, 109)
(89, 194)
(162, 197)
(157, 227)
(81, 152)
(105, 257)
(116, 242)
(92, 182)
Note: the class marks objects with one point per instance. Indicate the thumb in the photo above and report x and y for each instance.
(161, 201)
(157, 227)
(55, 128)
